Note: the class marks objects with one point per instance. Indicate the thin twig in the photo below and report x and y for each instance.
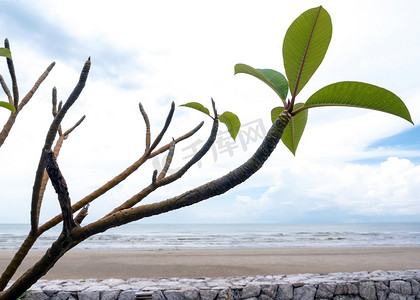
(146, 120)
(66, 134)
(6, 89)
(168, 161)
(11, 68)
(165, 127)
(32, 91)
(81, 215)
(54, 101)
(54, 108)
(177, 140)
(154, 176)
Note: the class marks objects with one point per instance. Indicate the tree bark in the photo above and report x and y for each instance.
(61, 189)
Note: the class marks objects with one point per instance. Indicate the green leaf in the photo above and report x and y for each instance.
(304, 47)
(232, 123)
(197, 106)
(272, 78)
(294, 130)
(359, 94)
(275, 113)
(8, 106)
(5, 52)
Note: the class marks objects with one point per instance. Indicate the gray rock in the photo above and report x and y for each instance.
(127, 295)
(191, 294)
(71, 288)
(400, 287)
(325, 291)
(347, 297)
(269, 291)
(367, 290)
(251, 290)
(158, 295)
(36, 295)
(112, 282)
(97, 288)
(226, 294)
(124, 287)
(284, 292)
(92, 295)
(346, 288)
(208, 294)
(264, 297)
(63, 295)
(415, 287)
(382, 290)
(174, 295)
(110, 295)
(51, 289)
(306, 292)
(395, 296)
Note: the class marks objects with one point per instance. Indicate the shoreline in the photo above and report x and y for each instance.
(124, 264)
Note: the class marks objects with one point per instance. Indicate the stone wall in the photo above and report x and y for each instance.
(377, 285)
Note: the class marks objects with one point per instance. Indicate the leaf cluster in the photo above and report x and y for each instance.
(304, 47)
(228, 118)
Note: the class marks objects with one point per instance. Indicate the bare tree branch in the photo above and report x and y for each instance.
(168, 161)
(6, 89)
(54, 101)
(32, 91)
(70, 130)
(32, 236)
(11, 121)
(52, 132)
(165, 127)
(12, 73)
(82, 215)
(146, 120)
(60, 186)
(154, 175)
(177, 140)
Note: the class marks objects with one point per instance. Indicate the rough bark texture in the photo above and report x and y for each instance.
(60, 186)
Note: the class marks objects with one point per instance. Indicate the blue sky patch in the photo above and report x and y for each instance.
(407, 140)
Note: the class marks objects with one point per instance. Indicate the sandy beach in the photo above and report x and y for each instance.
(214, 263)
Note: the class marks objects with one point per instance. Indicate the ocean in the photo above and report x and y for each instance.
(229, 236)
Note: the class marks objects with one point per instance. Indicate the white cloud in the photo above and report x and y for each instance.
(307, 189)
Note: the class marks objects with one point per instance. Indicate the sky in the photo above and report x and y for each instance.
(352, 165)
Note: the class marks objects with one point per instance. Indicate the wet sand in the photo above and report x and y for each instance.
(214, 263)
